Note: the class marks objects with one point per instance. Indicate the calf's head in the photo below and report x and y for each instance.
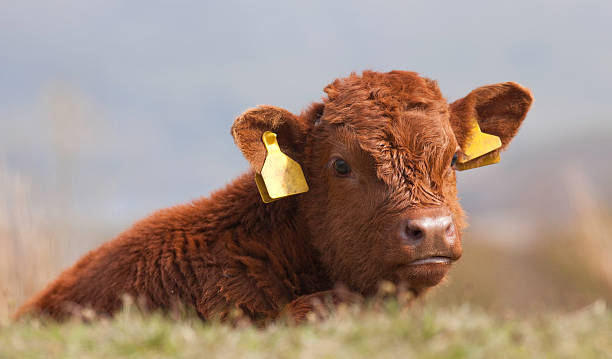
(379, 156)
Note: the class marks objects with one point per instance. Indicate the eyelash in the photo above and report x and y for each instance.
(454, 160)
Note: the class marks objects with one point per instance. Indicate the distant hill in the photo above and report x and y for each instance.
(541, 184)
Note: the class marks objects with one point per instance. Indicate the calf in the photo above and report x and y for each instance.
(378, 154)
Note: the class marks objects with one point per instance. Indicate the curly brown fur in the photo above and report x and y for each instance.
(231, 251)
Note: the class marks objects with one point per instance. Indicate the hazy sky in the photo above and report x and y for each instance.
(128, 105)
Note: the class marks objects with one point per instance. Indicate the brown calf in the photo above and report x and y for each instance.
(378, 154)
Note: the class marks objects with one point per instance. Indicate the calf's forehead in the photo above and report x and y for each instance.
(399, 118)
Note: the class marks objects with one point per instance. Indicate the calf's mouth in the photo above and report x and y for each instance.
(424, 272)
(432, 260)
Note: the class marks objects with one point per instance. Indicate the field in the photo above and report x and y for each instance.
(381, 331)
(548, 299)
(111, 110)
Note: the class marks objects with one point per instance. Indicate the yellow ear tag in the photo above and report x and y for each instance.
(484, 160)
(280, 175)
(478, 144)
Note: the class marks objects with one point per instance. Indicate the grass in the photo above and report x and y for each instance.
(383, 331)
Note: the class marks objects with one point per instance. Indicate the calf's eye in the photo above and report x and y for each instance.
(454, 160)
(341, 167)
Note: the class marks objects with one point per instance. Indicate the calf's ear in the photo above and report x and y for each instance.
(499, 110)
(249, 128)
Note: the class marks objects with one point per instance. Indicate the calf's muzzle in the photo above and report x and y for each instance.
(431, 236)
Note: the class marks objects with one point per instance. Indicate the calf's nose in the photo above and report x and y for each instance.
(431, 234)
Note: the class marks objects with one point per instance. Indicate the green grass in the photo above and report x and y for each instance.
(382, 332)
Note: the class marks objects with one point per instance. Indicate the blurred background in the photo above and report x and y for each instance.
(112, 109)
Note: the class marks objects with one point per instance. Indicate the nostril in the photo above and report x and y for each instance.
(414, 233)
(450, 229)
